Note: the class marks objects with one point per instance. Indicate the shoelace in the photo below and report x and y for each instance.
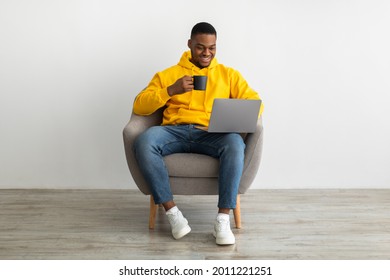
(222, 225)
(173, 218)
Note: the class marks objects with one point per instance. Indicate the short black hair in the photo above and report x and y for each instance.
(203, 28)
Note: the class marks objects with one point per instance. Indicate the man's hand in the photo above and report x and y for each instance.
(182, 85)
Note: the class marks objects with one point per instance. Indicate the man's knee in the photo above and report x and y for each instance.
(145, 140)
(235, 142)
(233, 145)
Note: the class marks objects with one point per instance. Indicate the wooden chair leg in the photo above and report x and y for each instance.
(152, 213)
(237, 213)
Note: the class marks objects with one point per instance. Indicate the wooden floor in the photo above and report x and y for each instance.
(113, 224)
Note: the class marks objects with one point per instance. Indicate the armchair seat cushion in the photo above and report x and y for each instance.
(192, 165)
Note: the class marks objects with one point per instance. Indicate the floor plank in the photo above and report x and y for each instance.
(113, 224)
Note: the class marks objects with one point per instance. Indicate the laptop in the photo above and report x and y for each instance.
(234, 115)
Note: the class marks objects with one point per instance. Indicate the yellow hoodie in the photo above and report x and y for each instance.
(193, 107)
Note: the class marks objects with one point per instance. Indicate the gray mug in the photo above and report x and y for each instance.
(200, 82)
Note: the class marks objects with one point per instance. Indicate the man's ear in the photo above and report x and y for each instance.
(189, 43)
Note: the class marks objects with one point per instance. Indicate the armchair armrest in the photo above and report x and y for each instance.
(136, 125)
(253, 151)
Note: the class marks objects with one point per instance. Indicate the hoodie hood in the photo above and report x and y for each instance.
(186, 63)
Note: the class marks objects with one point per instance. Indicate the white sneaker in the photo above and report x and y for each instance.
(222, 232)
(179, 224)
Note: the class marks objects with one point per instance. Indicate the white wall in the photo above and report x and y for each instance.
(69, 71)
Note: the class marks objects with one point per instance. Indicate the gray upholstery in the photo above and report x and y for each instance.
(191, 174)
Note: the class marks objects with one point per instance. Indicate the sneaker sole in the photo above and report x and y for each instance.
(226, 241)
(183, 232)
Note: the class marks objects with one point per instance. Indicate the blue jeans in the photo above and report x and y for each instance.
(159, 141)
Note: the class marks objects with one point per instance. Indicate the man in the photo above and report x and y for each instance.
(183, 126)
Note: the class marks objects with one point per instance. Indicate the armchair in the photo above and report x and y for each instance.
(191, 174)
